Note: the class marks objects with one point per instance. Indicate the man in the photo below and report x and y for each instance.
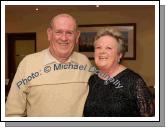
(52, 82)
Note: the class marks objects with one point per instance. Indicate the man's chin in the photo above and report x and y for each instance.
(65, 55)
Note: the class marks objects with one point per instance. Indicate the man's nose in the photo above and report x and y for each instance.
(64, 36)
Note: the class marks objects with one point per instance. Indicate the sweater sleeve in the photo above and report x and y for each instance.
(16, 100)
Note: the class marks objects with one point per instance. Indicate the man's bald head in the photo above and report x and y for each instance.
(64, 15)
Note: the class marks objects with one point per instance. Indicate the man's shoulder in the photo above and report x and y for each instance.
(80, 57)
(77, 54)
(36, 55)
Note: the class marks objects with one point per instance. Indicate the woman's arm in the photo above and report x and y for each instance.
(145, 99)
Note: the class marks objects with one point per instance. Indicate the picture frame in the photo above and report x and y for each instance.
(88, 32)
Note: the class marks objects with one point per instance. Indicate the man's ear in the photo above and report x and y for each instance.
(77, 37)
(49, 33)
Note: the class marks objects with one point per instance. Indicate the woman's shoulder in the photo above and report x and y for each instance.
(132, 75)
(93, 77)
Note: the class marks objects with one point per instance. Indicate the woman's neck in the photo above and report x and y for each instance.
(113, 71)
(109, 72)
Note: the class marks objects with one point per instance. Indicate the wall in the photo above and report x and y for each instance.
(143, 16)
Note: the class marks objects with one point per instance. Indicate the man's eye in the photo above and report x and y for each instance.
(69, 33)
(57, 32)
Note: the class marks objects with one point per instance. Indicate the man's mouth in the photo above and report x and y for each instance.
(64, 44)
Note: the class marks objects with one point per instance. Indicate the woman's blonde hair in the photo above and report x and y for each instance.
(122, 46)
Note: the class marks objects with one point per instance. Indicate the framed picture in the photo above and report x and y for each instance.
(88, 33)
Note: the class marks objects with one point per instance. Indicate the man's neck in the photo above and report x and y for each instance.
(60, 59)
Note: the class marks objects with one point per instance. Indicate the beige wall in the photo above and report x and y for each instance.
(143, 16)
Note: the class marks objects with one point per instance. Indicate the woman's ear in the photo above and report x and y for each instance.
(120, 55)
(119, 58)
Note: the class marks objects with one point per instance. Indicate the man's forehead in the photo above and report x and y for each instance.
(63, 18)
(64, 25)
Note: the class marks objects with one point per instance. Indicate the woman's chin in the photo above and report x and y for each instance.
(102, 67)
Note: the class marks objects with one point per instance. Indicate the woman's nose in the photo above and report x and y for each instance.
(102, 51)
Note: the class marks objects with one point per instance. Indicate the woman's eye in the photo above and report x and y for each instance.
(109, 48)
(97, 47)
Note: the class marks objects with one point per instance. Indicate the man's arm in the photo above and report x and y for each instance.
(16, 100)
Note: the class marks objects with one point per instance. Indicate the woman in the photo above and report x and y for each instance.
(123, 93)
